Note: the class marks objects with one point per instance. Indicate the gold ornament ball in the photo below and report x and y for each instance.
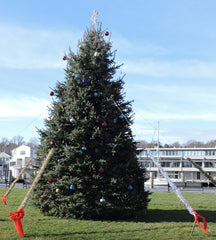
(57, 190)
(81, 46)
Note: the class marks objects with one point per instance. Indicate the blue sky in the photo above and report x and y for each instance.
(168, 49)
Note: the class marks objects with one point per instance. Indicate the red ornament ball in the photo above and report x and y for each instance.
(101, 170)
(104, 124)
(50, 180)
(117, 92)
(51, 93)
(106, 33)
(64, 58)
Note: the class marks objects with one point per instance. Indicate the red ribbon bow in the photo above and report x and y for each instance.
(3, 199)
(16, 217)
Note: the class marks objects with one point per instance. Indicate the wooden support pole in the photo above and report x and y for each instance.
(18, 177)
(23, 204)
(193, 228)
(19, 214)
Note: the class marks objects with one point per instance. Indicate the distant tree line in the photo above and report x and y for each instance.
(7, 145)
(189, 144)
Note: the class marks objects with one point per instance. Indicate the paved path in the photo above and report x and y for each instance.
(17, 185)
(211, 190)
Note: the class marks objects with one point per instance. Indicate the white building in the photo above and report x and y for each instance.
(4, 164)
(20, 157)
(174, 162)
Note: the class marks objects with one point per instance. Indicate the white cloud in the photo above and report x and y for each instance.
(171, 68)
(23, 107)
(204, 93)
(124, 46)
(34, 49)
(142, 115)
(23, 48)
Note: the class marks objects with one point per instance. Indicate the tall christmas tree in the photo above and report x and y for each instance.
(94, 172)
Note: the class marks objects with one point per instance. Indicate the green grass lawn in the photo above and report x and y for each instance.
(166, 219)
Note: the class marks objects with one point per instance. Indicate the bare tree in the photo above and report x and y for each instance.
(193, 144)
(18, 140)
(176, 145)
(211, 143)
(3, 144)
(8, 145)
(33, 142)
(142, 144)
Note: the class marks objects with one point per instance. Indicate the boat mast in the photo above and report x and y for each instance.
(158, 158)
(158, 143)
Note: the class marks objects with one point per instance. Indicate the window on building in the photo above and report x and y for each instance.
(141, 164)
(176, 164)
(198, 175)
(208, 164)
(186, 153)
(165, 164)
(199, 153)
(19, 161)
(145, 164)
(199, 163)
(12, 163)
(22, 153)
(186, 164)
(209, 153)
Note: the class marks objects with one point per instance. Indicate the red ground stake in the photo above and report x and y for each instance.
(16, 217)
(3, 199)
(197, 221)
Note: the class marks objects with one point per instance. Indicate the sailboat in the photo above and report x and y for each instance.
(159, 180)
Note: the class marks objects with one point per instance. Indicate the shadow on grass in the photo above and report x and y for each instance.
(157, 215)
(152, 216)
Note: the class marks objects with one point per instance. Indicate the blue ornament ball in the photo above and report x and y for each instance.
(84, 148)
(72, 187)
(130, 187)
(84, 80)
(121, 116)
